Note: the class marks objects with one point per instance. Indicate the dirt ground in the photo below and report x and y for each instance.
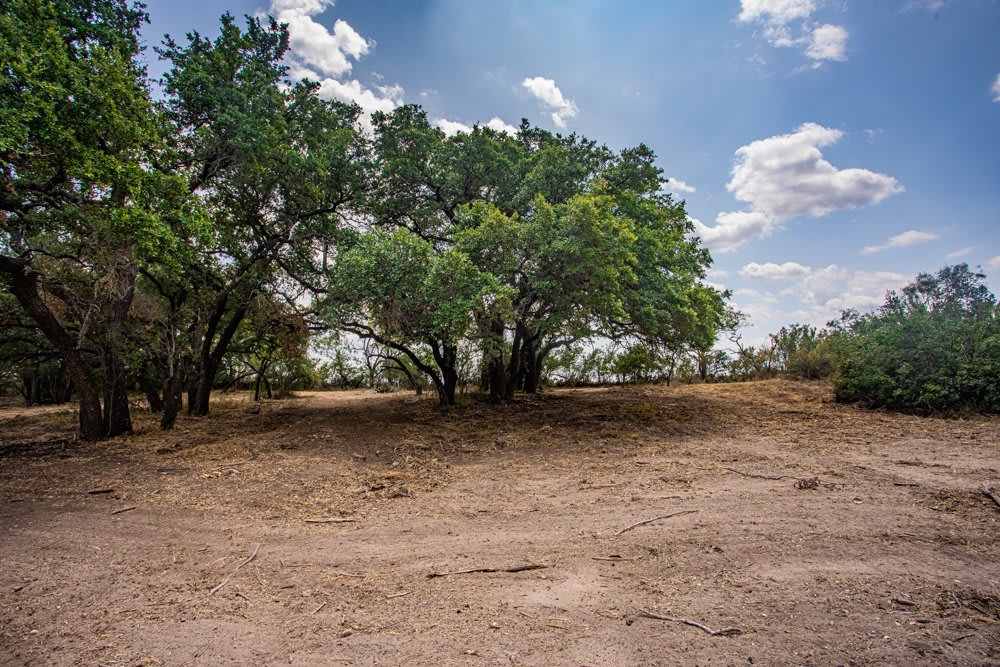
(310, 531)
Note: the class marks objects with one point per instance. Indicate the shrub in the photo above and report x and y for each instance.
(933, 347)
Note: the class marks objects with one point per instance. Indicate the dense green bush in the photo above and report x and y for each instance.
(933, 347)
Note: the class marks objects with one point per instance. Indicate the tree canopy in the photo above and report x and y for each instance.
(148, 242)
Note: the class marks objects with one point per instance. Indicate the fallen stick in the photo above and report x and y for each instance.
(807, 480)
(516, 568)
(724, 632)
(756, 476)
(906, 484)
(94, 492)
(398, 595)
(655, 518)
(992, 496)
(125, 509)
(331, 519)
(230, 575)
(317, 609)
(233, 465)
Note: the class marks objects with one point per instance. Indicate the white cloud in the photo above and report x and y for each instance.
(325, 50)
(771, 271)
(828, 42)
(500, 125)
(904, 240)
(548, 93)
(324, 55)
(776, 11)
(452, 127)
(832, 289)
(961, 252)
(787, 23)
(733, 229)
(786, 176)
(677, 185)
(384, 98)
(993, 264)
(996, 89)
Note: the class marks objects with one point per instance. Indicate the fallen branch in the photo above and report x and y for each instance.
(809, 482)
(655, 518)
(724, 632)
(233, 465)
(906, 484)
(756, 476)
(331, 519)
(516, 568)
(94, 492)
(125, 509)
(230, 575)
(403, 594)
(989, 493)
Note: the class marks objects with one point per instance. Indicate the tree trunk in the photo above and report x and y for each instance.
(446, 357)
(211, 358)
(152, 393)
(117, 420)
(24, 286)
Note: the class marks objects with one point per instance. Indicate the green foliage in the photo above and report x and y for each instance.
(802, 351)
(933, 347)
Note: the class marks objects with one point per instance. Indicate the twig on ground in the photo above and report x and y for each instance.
(808, 482)
(516, 568)
(230, 575)
(989, 493)
(233, 465)
(125, 509)
(905, 484)
(317, 609)
(655, 518)
(331, 519)
(94, 492)
(756, 476)
(724, 632)
(398, 595)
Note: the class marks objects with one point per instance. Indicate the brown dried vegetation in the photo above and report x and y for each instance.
(824, 533)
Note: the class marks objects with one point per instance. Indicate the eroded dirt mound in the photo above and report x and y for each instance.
(582, 527)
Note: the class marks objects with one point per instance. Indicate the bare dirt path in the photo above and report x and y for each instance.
(826, 534)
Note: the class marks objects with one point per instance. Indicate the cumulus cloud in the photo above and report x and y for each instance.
(677, 185)
(323, 49)
(904, 240)
(786, 176)
(324, 55)
(827, 42)
(732, 229)
(771, 271)
(452, 127)
(787, 23)
(547, 92)
(996, 89)
(832, 289)
(500, 125)
(993, 264)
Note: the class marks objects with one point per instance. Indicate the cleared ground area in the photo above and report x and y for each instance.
(578, 528)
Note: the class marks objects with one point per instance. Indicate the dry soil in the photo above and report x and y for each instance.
(349, 528)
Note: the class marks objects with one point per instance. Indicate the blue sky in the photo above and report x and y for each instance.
(829, 150)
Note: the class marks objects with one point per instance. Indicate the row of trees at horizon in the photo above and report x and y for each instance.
(145, 242)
